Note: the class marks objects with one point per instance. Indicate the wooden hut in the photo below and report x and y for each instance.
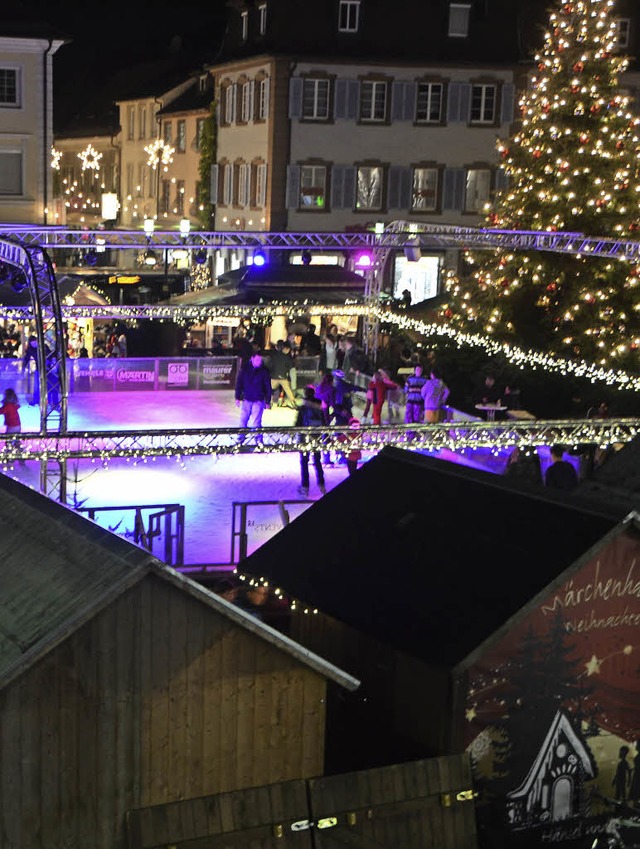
(480, 615)
(125, 685)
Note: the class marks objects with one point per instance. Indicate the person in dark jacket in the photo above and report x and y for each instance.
(280, 363)
(560, 474)
(253, 393)
(310, 414)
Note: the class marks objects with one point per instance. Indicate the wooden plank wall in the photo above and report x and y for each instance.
(156, 699)
(412, 806)
(260, 817)
(411, 700)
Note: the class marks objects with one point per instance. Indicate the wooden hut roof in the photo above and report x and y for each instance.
(58, 569)
(430, 557)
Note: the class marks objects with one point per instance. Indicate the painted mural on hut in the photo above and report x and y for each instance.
(553, 711)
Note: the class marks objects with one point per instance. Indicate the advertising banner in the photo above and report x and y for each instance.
(553, 711)
(92, 375)
(178, 373)
(218, 372)
(135, 375)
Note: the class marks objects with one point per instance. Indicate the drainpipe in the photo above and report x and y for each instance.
(45, 134)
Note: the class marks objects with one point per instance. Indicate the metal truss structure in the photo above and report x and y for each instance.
(31, 267)
(103, 446)
(25, 248)
(396, 236)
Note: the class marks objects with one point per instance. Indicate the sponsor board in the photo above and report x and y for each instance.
(136, 376)
(177, 374)
(218, 372)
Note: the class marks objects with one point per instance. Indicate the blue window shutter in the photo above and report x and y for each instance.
(410, 94)
(507, 106)
(406, 188)
(213, 184)
(337, 187)
(293, 186)
(465, 103)
(295, 97)
(398, 93)
(393, 189)
(353, 100)
(340, 99)
(452, 189)
(349, 197)
(453, 103)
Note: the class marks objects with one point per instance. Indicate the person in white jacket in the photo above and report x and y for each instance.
(434, 394)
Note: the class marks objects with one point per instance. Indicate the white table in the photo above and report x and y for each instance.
(491, 410)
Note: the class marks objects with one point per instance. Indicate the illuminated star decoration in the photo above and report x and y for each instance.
(593, 666)
(90, 158)
(159, 153)
(470, 714)
(56, 156)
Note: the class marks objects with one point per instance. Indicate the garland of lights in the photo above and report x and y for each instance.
(56, 156)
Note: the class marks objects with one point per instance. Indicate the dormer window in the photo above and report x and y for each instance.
(244, 18)
(349, 16)
(459, 14)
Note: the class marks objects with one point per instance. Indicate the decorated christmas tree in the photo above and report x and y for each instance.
(573, 166)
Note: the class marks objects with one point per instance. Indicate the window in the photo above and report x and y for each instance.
(152, 176)
(129, 179)
(623, 27)
(245, 102)
(262, 18)
(313, 187)
(244, 184)
(131, 123)
(425, 189)
(143, 174)
(199, 133)
(244, 18)
(165, 197)
(477, 189)
(230, 104)
(142, 122)
(429, 103)
(373, 101)
(261, 185)
(369, 188)
(167, 132)
(181, 136)
(179, 210)
(9, 87)
(10, 172)
(348, 15)
(459, 20)
(315, 100)
(263, 99)
(483, 104)
(227, 185)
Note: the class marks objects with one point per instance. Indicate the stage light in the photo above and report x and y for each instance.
(150, 258)
(363, 260)
(306, 257)
(259, 259)
(91, 257)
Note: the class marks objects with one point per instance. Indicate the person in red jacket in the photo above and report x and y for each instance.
(9, 409)
(377, 394)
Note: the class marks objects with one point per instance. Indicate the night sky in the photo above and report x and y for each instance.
(111, 37)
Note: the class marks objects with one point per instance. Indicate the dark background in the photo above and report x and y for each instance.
(107, 39)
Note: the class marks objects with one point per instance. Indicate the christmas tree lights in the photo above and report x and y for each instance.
(573, 166)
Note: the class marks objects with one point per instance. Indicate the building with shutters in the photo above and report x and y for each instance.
(26, 120)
